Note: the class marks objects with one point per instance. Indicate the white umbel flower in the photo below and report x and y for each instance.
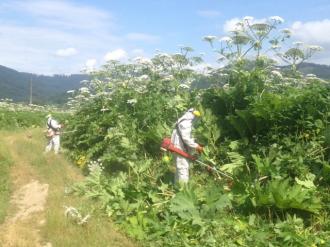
(209, 38)
(142, 60)
(164, 54)
(277, 19)
(315, 48)
(169, 77)
(84, 90)
(226, 86)
(226, 39)
(277, 74)
(132, 101)
(286, 31)
(275, 47)
(248, 18)
(143, 78)
(104, 109)
(185, 86)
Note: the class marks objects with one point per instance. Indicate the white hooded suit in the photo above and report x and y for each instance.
(182, 139)
(54, 141)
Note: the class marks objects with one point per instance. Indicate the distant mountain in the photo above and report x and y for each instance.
(320, 70)
(46, 89)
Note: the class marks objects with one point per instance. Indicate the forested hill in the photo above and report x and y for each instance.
(46, 89)
(322, 71)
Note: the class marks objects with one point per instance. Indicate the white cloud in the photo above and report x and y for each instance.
(90, 65)
(67, 52)
(142, 37)
(36, 34)
(91, 62)
(31, 49)
(62, 13)
(50, 29)
(230, 25)
(28, 43)
(118, 54)
(313, 31)
(209, 13)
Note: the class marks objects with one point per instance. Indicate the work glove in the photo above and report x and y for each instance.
(199, 149)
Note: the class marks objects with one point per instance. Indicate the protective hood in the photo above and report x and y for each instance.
(187, 116)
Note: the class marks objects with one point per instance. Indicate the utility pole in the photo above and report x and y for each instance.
(30, 91)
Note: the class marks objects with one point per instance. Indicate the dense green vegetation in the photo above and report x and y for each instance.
(268, 130)
(273, 140)
(13, 116)
(10, 120)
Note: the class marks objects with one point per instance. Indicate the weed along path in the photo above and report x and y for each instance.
(37, 212)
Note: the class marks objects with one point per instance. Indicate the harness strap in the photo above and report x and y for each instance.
(185, 146)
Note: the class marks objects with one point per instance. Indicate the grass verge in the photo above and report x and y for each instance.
(5, 163)
(60, 174)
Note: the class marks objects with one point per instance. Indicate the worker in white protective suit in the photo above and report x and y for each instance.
(53, 134)
(182, 139)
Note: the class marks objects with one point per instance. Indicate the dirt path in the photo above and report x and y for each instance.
(38, 199)
(30, 201)
(22, 225)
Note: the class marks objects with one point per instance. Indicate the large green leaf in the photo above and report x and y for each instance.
(283, 195)
(185, 205)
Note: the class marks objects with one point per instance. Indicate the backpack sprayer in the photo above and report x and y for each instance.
(167, 145)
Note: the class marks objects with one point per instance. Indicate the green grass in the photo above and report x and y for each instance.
(5, 163)
(10, 120)
(60, 174)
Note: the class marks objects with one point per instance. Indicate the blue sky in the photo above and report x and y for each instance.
(66, 36)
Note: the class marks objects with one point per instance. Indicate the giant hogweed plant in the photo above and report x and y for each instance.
(258, 43)
(262, 127)
(134, 107)
(249, 35)
(258, 38)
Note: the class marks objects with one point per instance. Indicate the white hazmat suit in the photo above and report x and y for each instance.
(53, 133)
(182, 139)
